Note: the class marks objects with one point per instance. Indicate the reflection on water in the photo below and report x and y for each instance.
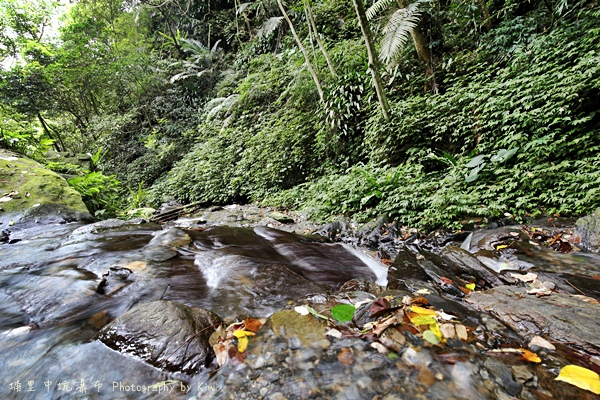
(60, 286)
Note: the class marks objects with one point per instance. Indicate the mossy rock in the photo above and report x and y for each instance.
(27, 188)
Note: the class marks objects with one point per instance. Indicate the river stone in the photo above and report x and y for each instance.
(165, 334)
(25, 184)
(562, 317)
(587, 232)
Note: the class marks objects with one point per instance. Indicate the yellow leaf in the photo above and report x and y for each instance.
(422, 320)
(502, 246)
(422, 311)
(581, 377)
(530, 356)
(240, 333)
(470, 286)
(242, 344)
(435, 328)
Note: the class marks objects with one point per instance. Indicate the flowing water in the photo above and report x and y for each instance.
(60, 284)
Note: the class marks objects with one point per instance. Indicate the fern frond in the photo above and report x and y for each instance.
(379, 6)
(242, 7)
(269, 26)
(192, 46)
(397, 32)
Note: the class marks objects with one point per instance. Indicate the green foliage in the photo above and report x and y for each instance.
(343, 312)
(100, 193)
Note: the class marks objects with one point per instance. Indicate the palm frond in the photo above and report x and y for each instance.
(269, 26)
(397, 32)
(379, 6)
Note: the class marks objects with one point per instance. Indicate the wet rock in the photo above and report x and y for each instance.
(503, 375)
(114, 280)
(587, 232)
(560, 317)
(166, 334)
(173, 238)
(26, 185)
(280, 217)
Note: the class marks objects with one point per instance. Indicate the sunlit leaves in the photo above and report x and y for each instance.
(580, 377)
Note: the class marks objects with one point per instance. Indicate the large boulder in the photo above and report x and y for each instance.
(587, 232)
(31, 194)
(168, 335)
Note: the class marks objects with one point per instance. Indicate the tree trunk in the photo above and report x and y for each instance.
(55, 142)
(301, 46)
(373, 60)
(486, 15)
(314, 27)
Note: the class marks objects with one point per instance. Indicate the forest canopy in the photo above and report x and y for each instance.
(429, 112)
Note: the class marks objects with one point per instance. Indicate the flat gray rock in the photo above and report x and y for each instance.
(559, 317)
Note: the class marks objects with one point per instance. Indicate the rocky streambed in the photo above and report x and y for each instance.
(241, 303)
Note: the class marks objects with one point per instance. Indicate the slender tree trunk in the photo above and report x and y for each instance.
(314, 27)
(46, 128)
(301, 46)
(486, 14)
(373, 61)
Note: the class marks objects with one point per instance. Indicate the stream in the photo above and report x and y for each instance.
(60, 285)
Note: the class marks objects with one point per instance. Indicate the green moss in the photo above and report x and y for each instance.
(34, 185)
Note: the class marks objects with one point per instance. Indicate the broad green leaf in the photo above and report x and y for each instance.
(343, 312)
(581, 377)
(475, 161)
(431, 337)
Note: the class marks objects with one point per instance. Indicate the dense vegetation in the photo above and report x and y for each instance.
(469, 109)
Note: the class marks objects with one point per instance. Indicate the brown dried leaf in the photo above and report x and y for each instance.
(346, 357)
(379, 327)
(461, 332)
(254, 324)
(586, 299)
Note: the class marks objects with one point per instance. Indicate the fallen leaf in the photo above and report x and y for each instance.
(581, 377)
(253, 324)
(448, 330)
(378, 328)
(379, 347)
(381, 304)
(541, 342)
(502, 246)
(343, 312)
(470, 286)
(346, 357)
(530, 356)
(529, 277)
(422, 311)
(302, 310)
(242, 336)
(240, 333)
(586, 299)
(334, 333)
(423, 291)
(435, 328)
(461, 332)
(431, 337)
(540, 292)
(242, 344)
(445, 317)
(446, 281)
(418, 320)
